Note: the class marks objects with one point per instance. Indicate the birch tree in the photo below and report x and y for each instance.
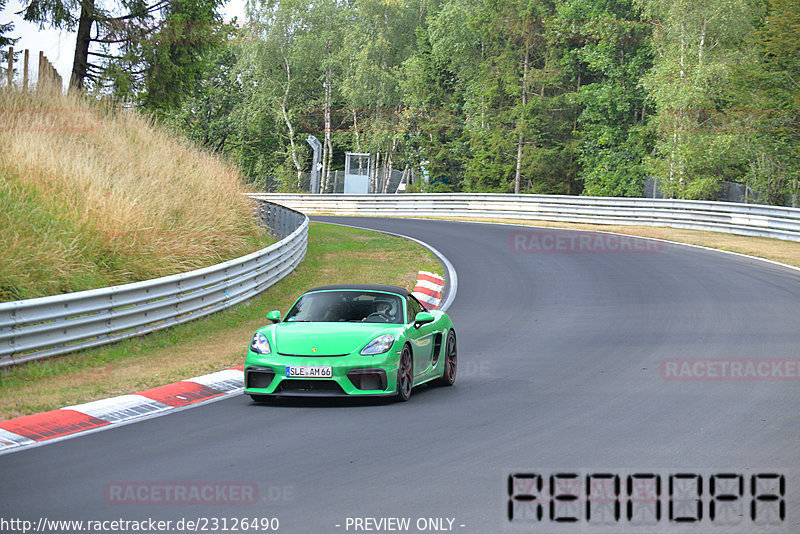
(611, 50)
(696, 43)
(768, 105)
(279, 71)
(379, 37)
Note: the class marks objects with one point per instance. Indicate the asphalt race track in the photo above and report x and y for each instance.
(570, 361)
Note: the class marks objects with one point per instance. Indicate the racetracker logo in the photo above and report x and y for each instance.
(569, 242)
(181, 493)
(730, 369)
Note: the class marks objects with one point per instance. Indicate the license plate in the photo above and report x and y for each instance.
(303, 371)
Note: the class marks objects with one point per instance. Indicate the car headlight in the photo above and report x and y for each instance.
(260, 344)
(379, 345)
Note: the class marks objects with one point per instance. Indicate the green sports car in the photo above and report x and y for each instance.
(351, 340)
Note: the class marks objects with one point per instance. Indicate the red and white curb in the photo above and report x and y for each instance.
(30, 430)
(429, 289)
(36, 429)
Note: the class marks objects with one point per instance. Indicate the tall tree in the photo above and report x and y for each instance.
(5, 39)
(767, 105)
(611, 51)
(207, 109)
(279, 73)
(155, 44)
(518, 124)
(322, 48)
(380, 36)
(434, 93)
(172, 55)
(82, 16)
(696, 44)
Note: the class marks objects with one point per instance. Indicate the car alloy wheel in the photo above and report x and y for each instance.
(450, 361)
(405, 375)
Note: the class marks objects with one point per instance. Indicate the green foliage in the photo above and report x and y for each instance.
(697, 43)
(609, 48)
(164, 55)
(276, 72)
(179, 55)
(433, 128)
(5, 40)
(544, 96)
(205, 111)
(510, 88)
(56, 13)
(767, 105)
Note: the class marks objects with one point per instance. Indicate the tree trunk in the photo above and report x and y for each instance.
(374, 172)
(388, 165)
(327, 147)
(295, 159)
(81, 61)
(521, 137)
(355, 131)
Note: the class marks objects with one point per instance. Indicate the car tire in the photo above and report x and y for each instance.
(448, 377)
(405, 375)
(261, 399)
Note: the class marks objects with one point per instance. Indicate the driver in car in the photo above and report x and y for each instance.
(381, 312)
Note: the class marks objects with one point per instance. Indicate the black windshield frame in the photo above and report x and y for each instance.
(351, 306)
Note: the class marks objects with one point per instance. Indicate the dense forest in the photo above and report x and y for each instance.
(541, 96)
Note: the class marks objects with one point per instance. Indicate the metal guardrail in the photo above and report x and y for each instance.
(41, 327)
(744, 219)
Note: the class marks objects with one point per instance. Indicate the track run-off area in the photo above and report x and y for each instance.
(671, 369)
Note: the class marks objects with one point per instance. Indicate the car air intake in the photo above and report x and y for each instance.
(368, 379)
(309, 387)
(258, 377)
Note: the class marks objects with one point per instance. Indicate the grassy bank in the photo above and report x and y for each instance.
(335, 255)
(92, 196)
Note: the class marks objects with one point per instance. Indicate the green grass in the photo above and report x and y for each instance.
(93, 196)
(336, 255)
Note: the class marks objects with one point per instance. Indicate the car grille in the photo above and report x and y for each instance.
(295, 386)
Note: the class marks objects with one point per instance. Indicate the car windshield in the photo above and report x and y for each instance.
(347, 306)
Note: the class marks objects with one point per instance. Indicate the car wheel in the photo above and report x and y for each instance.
(405, 375)
(261, 399)
(450, 361)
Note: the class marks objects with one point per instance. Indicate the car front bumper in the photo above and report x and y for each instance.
(352, 375)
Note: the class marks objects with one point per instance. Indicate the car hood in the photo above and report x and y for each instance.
(326, 339)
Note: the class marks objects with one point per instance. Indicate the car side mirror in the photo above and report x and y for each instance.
(422, 318)
(274, 316)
